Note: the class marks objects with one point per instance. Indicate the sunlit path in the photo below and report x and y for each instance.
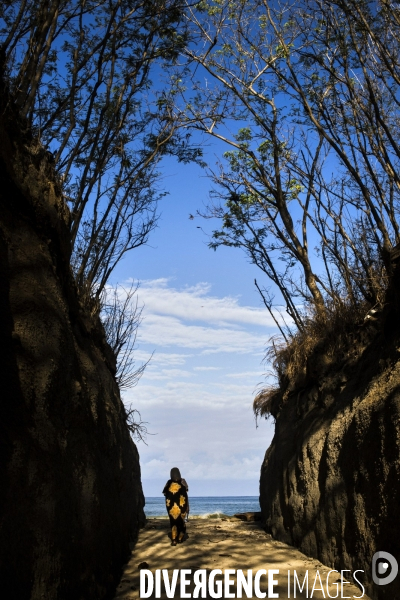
(227, 544)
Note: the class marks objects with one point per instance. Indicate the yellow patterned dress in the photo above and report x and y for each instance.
(176, 502)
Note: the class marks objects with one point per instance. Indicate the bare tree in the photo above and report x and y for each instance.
(80, 72)
(305, 96)
(136, 426)
(121, 317)
(258, 183)
(342, 70)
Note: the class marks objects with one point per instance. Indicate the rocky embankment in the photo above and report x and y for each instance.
(330, 481)
(71, 500)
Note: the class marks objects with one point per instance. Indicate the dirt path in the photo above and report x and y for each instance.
(227, 544)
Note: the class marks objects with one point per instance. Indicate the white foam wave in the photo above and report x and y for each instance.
(213, 515)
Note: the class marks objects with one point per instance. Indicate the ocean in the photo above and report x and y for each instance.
(207, 507)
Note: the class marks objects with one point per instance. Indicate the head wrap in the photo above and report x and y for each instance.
(175, 474)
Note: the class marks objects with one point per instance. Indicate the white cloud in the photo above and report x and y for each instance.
(162, 358)
(254, 375)
(196, 304)
(165, 374)
(167, 331)
(243, 468)
(197, 391)
(176, 394)
(224, 445)
(192, 318)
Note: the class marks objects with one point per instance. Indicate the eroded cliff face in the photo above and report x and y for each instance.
(71, 500)
(330, 481)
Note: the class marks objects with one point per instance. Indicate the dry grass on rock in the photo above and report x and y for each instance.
(324, 342)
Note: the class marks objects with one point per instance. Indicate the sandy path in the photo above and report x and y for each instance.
(226, 544)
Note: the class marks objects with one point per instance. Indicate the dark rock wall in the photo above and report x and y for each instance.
(330, 481)
(70, 493)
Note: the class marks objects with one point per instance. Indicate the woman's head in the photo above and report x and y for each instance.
(175, 474)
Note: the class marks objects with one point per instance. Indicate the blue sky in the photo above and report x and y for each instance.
(204, 321)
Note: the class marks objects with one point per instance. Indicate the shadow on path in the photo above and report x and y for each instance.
(226, 544)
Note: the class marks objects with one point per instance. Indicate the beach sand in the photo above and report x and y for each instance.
(226, 544)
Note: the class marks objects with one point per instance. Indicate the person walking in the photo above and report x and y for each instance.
(177, 505)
